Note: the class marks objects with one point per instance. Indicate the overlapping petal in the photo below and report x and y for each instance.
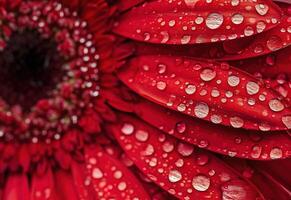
(190, 22)
(179, 168)
(207, 90)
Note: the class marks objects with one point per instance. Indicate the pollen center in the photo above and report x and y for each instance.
(30, 69)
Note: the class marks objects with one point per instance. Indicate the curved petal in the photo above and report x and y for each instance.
(220, 139)
(110, 178)
(207, 90)
(43, 187)
(268, 176)
(179, 168)
(65, 188)
(16, 188)
(199, 21)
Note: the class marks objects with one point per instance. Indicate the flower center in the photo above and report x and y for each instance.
(30, 69)
(48, 75)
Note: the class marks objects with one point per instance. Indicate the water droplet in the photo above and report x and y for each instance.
(287, 121)
(185, 39)
(256, 152)
(216, 119)
(201, 183)
(262, 9)
(214, 20)
(236, 122)
(237, 18)
(161, 85)
(149, 150)
(168, 147)
(181, 127)
(207, 74)
(248, 31)
(97, 173)
(161, 68)
(233, 80)
(121, 186)
(234, 2)
(185, 149)
(190, 89)
(199, 20)
(201, 110)
(252, 88)
(202, 159)
(238, 190)
(190, 3)
(117, 174)
(276, 105)
(127, 129)
(181, 107)
(276, 153)
(274, 43)
(175, 176)
(141, 135)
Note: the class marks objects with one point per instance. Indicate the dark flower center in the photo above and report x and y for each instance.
(30, 69)
(48, 71)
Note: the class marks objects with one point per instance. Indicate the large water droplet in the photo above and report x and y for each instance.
(252, 88)
(233, 80)
(201, 183)
(274, 43)
(97, 173)
(201, 110)
(141, 135)
(276, 153)
(262, 9)
(236, 122)
(185, 149)
(214, 20)
(175, 176)
(237, 18)
(127, 129)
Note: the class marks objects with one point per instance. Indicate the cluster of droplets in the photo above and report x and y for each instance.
(51, 117)
(218, 84)
(170, 160)
(194, 23)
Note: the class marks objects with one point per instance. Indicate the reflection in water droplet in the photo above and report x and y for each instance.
(181, 127)
(127, 129)
(201, 182)
(233, 80)
(262, 9)
(214, 20)
(276, 105)
(252, 88)
(97, 173)
(190, 89)
(237, 18)
(207, 74)
(175, 176)
(276, 153)
(141, 135)
(185, 149)
(201, 110)
(236, 122)
(274, 43)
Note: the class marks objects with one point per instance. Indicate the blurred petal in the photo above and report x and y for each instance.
(16, 188)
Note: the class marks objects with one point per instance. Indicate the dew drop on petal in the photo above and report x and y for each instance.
(161, 85)
(127, 129)
(256, 152)
(276, 153)
(207, 74)
(201, 110)
(181, 127)
(274, 43)
(233, 80)
(97, 173)
(185, 39)
(190, 89)
(141, 135)
(287, 121)
(237, 190)
(216, 119)
(236, 122)
(262, 9)
(201, 183)
(175, 176)
(276, 105)
(214, 20)
(237, 18)
(121, 186)
(185, 149)
(252, 88)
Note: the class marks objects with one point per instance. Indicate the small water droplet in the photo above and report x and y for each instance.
(201, 110)
(127, 129)
(237, 18)
(276, 153)
(141, 135)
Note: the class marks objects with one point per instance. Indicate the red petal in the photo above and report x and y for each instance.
(82, 183)
(189, 22)
(180, 169)
(272, 184)
(223, 140)
(110, 178)
(65, 188)
(210, 91)
(16, 188)
(42, 187)
(267, 42)
(127, 4)
(270, 65)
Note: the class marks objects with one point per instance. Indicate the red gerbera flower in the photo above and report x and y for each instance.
(135, 114)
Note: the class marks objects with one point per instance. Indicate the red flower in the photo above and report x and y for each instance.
(86, 113)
